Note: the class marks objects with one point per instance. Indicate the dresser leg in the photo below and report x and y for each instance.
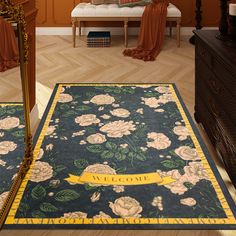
(196, 117)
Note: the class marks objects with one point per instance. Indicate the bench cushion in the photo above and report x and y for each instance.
(113, 10)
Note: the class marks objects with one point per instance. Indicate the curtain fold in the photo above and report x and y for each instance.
(9, 54)
(152, 29)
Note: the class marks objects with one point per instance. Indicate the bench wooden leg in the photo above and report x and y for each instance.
(178, 33)
(170, 28)
(126, 33)
(79, 25)
(74, 25)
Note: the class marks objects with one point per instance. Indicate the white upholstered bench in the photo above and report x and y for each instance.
(112, 12)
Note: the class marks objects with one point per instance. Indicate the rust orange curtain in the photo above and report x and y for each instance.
(9, 56)
(152, 30)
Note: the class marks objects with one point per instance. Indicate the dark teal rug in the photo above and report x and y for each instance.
(11, 146)
(120, 156)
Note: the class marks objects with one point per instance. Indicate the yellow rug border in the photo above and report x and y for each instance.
(10, 104)
(230, 217)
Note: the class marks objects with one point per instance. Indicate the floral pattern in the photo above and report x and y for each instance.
(120, 112)
(118, 129)
(110, 132)
(126, 207)
(41, 171)
(11, 146)
(86, 120)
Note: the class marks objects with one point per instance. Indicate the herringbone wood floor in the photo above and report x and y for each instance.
(57, 62)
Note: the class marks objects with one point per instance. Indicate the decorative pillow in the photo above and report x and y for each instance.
(131, 3)
(99, 2)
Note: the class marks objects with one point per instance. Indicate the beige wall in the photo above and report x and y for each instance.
(57, 12)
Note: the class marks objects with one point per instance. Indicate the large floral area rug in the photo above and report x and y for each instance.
(11, 146)
(123, 156)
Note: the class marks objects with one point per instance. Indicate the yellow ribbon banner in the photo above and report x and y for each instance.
(131, 179)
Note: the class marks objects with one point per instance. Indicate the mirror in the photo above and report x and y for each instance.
(15, 134)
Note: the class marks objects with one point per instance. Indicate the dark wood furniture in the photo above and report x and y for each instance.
(215, 95)
(30, 16)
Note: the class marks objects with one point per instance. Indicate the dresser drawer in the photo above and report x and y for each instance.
(204, 54)
(227, 78)
(212, 84)
(221, 135)
(217, 113)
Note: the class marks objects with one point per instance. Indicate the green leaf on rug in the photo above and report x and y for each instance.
(121, 170)
(150, 94)
(38, 214)
(82, 108)
(188, 185)
(19, 133)
(64, 107)
(59, 168)
(123, 150)
(120, 156)
(66, 195)
(81, 163)
(89, 188)
(107, 154)
(48, 207)
(11, 111)
(111, 146)
(170, 164)
(90, 130)
(180, 162)
(23, 207)
(141, 157)
(38, 192)
(95, 148)
(69, 113)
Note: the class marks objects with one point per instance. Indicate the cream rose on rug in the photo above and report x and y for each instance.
(9, 123)
(6, 147)
(194, 172)
(50, 130)
(95, 197)
(64, 98)
(2, 163)
(40, 154)
(102, 99)
(143, 86)
(151, 102)
(120, 112)
(181, 131)
(3, 197)
(126, 207)
(118, 188)
(162, 89)
(165, 98)
(188, 201)
(86, 120)
(102, 215)
(96, 138)
(74, 215)
(160, 141)
(187, 153)
(118, 129)
(40, 172)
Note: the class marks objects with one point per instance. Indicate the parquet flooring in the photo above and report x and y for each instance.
(58, 61)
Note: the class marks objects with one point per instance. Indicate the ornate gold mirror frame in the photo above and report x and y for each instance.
(15, 14)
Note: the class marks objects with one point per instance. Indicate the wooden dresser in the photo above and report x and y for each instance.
(215, 95)
(30, 15)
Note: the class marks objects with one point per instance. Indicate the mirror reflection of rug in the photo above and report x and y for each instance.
(120, 156)
(11, 146)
